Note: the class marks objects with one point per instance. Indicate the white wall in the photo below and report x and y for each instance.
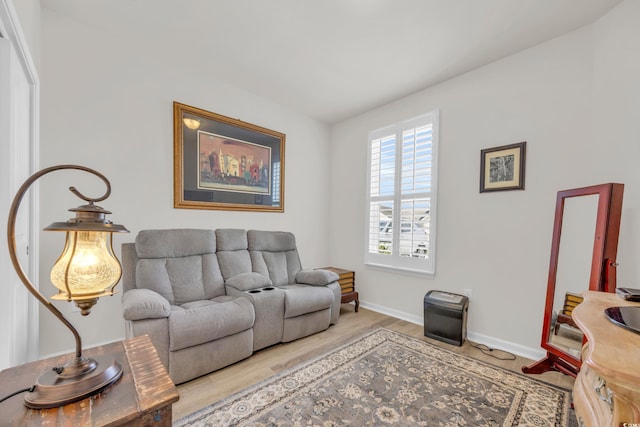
(564, 98)
(29, 20)
(574, 100)
(616, 122)
(108, 106)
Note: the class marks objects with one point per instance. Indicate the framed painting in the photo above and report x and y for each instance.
(502, 168)
(225, 163)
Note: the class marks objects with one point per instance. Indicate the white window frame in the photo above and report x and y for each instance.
(393, 261)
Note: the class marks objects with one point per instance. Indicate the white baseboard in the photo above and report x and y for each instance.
(491, 342)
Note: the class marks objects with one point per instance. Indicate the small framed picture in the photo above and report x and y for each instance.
(502, 168)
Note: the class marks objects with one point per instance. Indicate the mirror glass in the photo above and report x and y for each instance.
(573, 272)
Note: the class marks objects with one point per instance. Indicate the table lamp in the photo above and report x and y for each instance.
(86, 271)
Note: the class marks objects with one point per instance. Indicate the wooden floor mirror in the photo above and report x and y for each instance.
(583, 257)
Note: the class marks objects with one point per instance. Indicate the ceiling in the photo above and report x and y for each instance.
(333, 59)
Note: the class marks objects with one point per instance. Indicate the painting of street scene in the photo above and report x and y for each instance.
(228, 164)
(501, 168)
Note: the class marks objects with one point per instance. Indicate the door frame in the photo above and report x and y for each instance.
(10, 29)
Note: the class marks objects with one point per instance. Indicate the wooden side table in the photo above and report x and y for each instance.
(142, 397)
(347, 282)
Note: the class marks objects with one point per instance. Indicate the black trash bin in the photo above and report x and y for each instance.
(445, 317)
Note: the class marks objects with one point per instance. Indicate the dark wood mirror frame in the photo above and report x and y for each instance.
(603, 266)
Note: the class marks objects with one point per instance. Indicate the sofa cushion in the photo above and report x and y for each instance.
(232, 252)
(179, 264)
(203, 321)
(276, 263)
(274, 253)
(231, 239)
(316, 277)
(303, 299)
(233, 263)
(174, 243)
(138, 304)
(181, 280)
(272, 241)
(206, 303)
(248, 281)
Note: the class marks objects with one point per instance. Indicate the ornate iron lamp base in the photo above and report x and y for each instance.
(73, 382)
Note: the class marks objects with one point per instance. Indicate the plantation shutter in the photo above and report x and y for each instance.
(400, 219)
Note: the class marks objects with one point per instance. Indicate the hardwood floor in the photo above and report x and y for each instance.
(203, 391)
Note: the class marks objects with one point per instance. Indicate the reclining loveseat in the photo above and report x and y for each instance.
(208, 299)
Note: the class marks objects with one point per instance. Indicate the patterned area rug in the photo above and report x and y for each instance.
(387, 378)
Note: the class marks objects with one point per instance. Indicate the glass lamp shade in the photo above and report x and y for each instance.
(87, 268)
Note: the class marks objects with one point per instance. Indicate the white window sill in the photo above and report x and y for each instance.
(402, 270)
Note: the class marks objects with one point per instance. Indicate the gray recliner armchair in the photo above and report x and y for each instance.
(174, 291)
(311, 297)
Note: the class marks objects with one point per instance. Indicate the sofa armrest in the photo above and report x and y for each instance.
(248, 281)
(138, 304)
(316, 277)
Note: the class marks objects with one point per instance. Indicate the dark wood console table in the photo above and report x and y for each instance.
(142, 397)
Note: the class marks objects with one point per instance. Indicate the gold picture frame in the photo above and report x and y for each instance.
(502, 168)
(226, 164)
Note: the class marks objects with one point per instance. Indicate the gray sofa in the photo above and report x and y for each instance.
(208, 299)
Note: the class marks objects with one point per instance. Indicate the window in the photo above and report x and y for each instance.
(275, 184)
(401, 195)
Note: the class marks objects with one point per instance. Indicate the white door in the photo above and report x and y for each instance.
(18, 86)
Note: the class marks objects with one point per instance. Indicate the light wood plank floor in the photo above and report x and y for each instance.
(203, 391)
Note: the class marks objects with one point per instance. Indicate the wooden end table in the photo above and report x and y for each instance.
(142, 397)
(347, 280)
